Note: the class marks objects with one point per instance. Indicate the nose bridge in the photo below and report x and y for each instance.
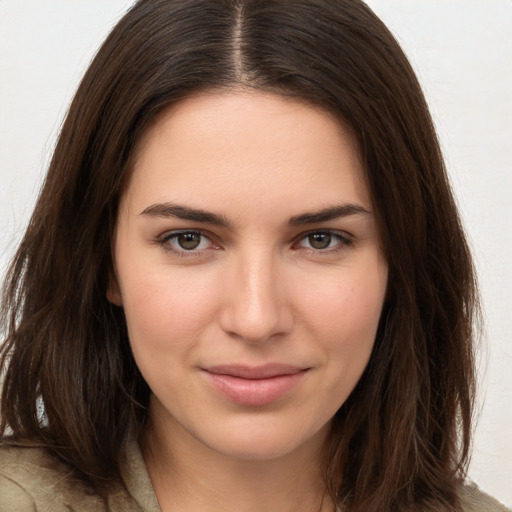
(256, 307)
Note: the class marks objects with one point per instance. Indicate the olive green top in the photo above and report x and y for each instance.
(31, 480)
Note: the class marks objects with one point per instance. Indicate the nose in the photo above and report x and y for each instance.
(256, 307)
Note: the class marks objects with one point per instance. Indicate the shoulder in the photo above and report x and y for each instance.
(31, 480)
(474, 500)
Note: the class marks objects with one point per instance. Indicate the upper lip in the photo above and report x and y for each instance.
(265, 371)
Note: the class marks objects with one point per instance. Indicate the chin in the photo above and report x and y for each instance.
(269, 442)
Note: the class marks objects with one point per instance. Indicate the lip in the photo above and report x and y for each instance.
(254, 385)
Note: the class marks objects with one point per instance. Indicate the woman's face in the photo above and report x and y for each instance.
(247, 262)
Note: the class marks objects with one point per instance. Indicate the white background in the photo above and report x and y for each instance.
(462, 52)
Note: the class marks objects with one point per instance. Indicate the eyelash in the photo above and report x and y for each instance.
(343, 240)
(165, 240)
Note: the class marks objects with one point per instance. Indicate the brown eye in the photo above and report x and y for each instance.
(327, 242)
(320, 240)
(188, 241)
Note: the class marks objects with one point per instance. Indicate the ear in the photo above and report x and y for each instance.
(113, 291)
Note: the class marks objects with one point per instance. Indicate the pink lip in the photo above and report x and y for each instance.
(254, 386)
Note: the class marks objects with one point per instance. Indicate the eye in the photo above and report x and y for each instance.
(323, 241)
(186, 241)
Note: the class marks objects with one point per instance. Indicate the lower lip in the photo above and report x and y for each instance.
(254, 392)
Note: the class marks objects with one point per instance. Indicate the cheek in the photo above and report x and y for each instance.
(165, 311)
(348, 306)
(349, 325)
(345, 314)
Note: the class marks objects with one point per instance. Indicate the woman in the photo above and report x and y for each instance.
(245, 284)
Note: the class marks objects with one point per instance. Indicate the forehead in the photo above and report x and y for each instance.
(247, 147)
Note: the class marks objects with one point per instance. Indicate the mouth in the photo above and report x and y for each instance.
(254, 385)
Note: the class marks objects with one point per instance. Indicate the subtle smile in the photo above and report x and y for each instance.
(254, 386)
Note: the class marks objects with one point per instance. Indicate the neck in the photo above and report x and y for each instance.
(188, 476)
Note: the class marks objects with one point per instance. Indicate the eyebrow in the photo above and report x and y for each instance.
(185, 213)
(330, 213)
(197, 215)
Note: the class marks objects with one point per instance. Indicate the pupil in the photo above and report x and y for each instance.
(189, 241)
(320, 240)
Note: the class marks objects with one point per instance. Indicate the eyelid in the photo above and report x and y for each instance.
(345, 239)
(165, 237)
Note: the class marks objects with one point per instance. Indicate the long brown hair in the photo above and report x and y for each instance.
(401, 441)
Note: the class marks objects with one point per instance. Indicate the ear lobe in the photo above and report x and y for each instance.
(113, 292)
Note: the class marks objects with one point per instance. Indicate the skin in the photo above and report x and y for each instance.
(271, 284)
